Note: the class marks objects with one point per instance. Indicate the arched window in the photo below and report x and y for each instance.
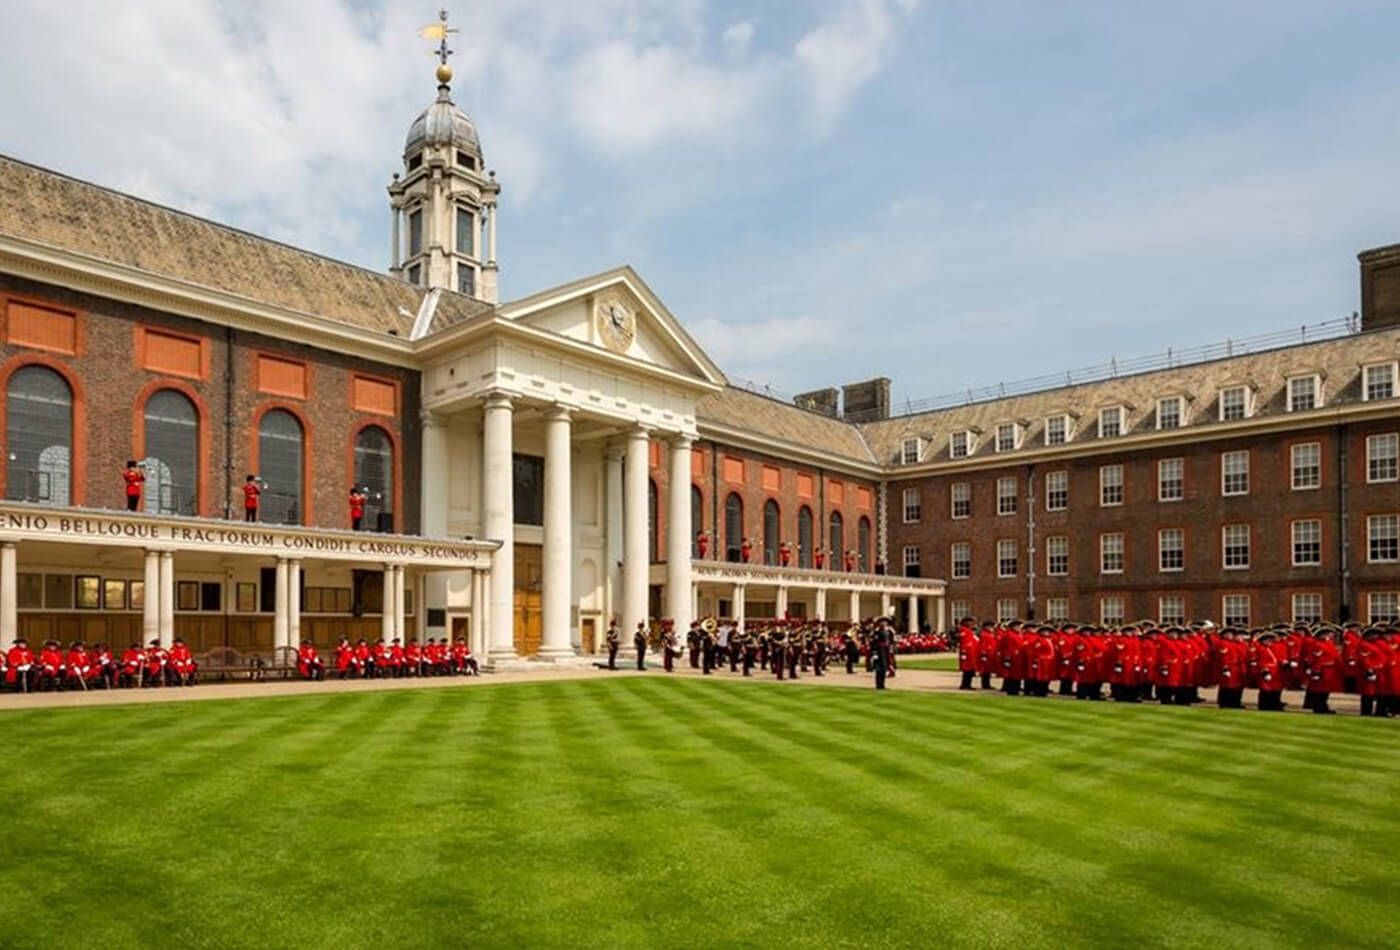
(697, 518)
(172, 454)
(651, 521)
(804, 537)
(281, 450)
(772, 531)
(39, 436)
(733, 527)
(863, 544)
(837, 541)
(374, 470)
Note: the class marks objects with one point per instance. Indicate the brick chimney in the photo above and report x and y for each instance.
(825, 401)
(868, 401)
(1380, 287)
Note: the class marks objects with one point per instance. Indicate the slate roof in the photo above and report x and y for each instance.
(737, 408)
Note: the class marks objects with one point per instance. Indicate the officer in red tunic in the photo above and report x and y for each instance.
(396, 658)
(252, 490)
(413, 658)
(50, 666)
(344, 658)
(1041, 662)
(1373, 673)
(1013, 660)
(133, 662)
(19, 666)
(309, 665)
(967, 652)
(785, 554)
(702, 544)
(745, 550)
(104, 668)
(182, 664)
(818, 557)
(134, 477)
(1231, 660)
(157, 658)
(364, 659)
(1324, 672)
(358, 497)
(77, 666)
(463, 660)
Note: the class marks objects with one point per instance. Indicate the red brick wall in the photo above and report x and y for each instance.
(111, 385)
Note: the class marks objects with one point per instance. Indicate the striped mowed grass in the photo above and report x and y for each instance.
(685, 813)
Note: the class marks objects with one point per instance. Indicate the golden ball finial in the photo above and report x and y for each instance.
(444, 73)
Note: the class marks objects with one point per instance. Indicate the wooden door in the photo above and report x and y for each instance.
(529, 576)
(588, 636)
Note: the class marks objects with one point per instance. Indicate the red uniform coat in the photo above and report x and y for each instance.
(181, 660)
(50, 661)
(344, 656)
(16, 659)
(156, 660)
(987, 661)
(307, 660)
(1011, 655)
(1374, 665)
(78, 664)
(132, 659)
(1231, 657)
(1325, 668)
(133, 478)
(1042, 664)
(251, 491)
(967, 650)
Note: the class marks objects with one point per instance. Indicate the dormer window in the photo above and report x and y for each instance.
(1110, 422)
(1057, 429)
(1378, 382)
(911, 451)
(960, 444)
(1234, 403)
(1170, 412)
(1304, 393)
(1008, 437)
(415, 233)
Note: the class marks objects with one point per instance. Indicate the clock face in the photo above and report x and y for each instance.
(617, 325)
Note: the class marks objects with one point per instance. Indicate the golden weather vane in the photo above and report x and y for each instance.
(440, 31)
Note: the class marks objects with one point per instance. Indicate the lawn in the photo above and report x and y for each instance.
(945, 661)
(688, 813)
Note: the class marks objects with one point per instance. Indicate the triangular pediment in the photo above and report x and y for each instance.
(620, 315)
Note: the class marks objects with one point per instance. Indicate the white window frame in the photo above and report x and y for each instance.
(914, 458)
(1246, 402)
(958, 609)
(953, 500)
(1057, 494)
(1066, 430)
(1291, 395)
(1179, 402)
(1004, 545)
(1015, 433)
(1007, 609)
(1120, 421)
(1179, 534)
(1056, 609)
(1117, 615)
(913, 504)
(1163, 482)
(1389, 525)
(1057, 556)
(1301, 467)
(911, 555)
(1007, 502)
(1112, 553)
(1225, 545)
(1392, 371)
(1297, 531)
(1177, 616)
(954, 561)
(1239, 458)
(1236, 619)
(969, 444)
(1310, 614)
(1105, 485)
(1373, 615)
(1374, 459)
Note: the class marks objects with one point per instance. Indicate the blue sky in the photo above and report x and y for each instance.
(947, 193)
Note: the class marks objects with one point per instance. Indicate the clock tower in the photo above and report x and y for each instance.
(443, 203)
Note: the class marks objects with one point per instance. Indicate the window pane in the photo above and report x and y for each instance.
(733, 527)
(39, 436)
(771, 532)
(280, 459)
(529, 489)
(374, 472)
(804, 537)
(172, 449)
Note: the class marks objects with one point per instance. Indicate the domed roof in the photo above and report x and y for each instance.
(442, 123)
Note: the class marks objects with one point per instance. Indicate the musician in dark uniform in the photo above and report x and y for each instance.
(819, 647)
(881, 645)
(692, 643)
(707, 650)
(614, 641)
(639, 640)
(749, 644)
(777, 650)
(851, 648)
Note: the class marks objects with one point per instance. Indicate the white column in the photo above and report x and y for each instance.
(294, 603)
(886, 603)
(498, 502)
(782, 606)
(167, 598)
(558, 579)
(433, 487)
(386, 610)
(913, 626)
(636, 561)
(150, 607)
(940, 612)
(280, 605)
(612, 483)
(491, 223)
(740, 607)
(821, 603)
(9, 594)
(420, 614)
(679, 596)
(394, 241)
(400, 604)
(855, 605)
(477, 625)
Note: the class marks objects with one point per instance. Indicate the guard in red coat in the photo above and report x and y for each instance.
(988, 663)
(396, 658)
(1012, 657)
(413, 659)
(309, 665)
(1231, 661)
(358, 497)
(1065, 639)
(50, 666)
(1324, 673)
(1264, 664)
(19, 666)
(156, 660)
(344, 658)
(463, 660)
(104, 668)
(364, 659)
(702, 544)
(183, 668)
(1041, 662)
(818, 558)
(132, 669)
(134, 477)
(967, 652)
(77, 665)
(745, 550)
(1373, 673)
(785, 554)
(252, 491)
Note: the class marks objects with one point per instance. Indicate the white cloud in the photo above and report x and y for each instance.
(738, 36)
(843, 54)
